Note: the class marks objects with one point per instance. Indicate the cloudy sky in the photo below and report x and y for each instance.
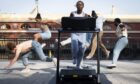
(58, 8)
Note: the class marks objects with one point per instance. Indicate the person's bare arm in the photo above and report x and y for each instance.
(71, 15)
(14, 59)
(86, 15)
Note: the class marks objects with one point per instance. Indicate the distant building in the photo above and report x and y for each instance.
(24, 26)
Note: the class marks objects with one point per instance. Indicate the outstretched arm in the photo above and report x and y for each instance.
(14, 59)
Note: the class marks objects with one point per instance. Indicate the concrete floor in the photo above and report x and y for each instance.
(127, 72)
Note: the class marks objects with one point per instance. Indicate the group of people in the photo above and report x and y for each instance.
(79, 42)
(27, 48)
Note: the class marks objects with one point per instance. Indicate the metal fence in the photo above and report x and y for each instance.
(132, 51)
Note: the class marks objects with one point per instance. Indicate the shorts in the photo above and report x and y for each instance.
(45, 35)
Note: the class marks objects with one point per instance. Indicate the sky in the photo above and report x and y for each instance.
(59, 8)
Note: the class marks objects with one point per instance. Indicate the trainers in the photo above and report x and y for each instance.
(43, 45)
(74, 61)
(25, 70)
(48, 59)
(54, 61)
(111, 66)
(79, 67)
(65, 42)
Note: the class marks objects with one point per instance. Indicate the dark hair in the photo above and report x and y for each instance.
(11, 45)
(118, 20)
(93, 14)
(79, 2)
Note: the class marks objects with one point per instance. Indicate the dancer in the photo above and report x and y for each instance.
(25, 49)
(99, 26)
(121, 32)
(78, 40)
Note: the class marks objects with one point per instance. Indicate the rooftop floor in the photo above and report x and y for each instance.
(127, 72)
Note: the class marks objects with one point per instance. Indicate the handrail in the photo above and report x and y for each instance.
(55, 31)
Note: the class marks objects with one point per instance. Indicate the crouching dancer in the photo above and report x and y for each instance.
(25, 49)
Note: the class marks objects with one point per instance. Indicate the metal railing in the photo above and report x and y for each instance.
(130, 52)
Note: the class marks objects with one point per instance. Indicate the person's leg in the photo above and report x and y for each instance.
(25, 58)
(74, 49)
(80, 55)
(93, 47)
(38, 50)
(45, 35)
(107, 52)
(89, 39)
(25, 61)
(42, 36)
(120, 45)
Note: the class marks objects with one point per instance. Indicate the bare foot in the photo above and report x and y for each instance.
(27, 70)
(89, 57)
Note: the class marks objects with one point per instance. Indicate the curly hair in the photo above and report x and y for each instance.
(11, 45)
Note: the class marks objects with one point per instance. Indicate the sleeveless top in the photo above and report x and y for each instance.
(79, 36)
(121, 33)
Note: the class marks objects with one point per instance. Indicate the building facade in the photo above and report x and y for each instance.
(23, 29)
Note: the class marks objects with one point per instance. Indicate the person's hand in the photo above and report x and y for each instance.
(7, 66)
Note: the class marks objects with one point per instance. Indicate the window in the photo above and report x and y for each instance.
(25, 26)
(5, 26)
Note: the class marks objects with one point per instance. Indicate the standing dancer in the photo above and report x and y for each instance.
(78, 40)
(121, 32)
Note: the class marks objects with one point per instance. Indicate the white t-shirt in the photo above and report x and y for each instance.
(99, 23)
(78, 15)
(79, 36)
(119, 31)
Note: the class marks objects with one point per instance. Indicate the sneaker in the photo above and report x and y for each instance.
(54, 61)
(79, 67)
(111, 66)
(65, 42)
(43, 45)
(56, 40)
(48, 59)
(74, 61)
(25, 70)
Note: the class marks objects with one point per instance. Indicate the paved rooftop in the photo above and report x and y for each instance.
(127, 72)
